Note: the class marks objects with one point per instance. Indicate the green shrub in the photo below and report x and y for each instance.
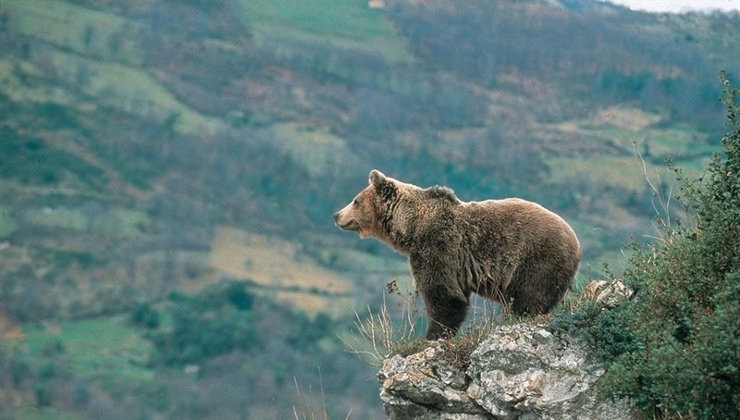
(601, 330)
(673, 347)
(305, 332)
(43, 398)
(239, 297)
(214, 322)
(143, 315)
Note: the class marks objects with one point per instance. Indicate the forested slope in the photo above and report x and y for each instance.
(158, 156)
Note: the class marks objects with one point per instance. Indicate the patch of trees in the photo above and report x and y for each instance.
(221, 319)
(483, 41)
(203, 326)
(226, 351)
(681, 98)
(232, 339)
(33, 161)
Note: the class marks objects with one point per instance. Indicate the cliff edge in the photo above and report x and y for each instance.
(519, 371)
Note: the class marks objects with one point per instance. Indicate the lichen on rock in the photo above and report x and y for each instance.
(519, 371)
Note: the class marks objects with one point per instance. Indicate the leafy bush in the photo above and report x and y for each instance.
(304, 332)
(600, 329)
(239, 297)
(203, 326)
(144, 315)
(673, 348)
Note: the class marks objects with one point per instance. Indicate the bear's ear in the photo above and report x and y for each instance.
(384, 187)
(376, 177)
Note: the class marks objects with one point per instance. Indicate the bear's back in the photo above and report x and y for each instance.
(515, 217)
(526, 250)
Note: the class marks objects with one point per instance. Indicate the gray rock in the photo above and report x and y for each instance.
(520, 371)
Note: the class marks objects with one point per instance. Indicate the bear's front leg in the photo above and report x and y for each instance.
(446, 304)
(445, 315)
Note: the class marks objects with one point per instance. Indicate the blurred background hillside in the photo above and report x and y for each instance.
(169, 168)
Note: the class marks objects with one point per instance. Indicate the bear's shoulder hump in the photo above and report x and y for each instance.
(442, 193)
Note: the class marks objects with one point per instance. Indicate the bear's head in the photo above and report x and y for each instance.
(393, 211)
(368, 209)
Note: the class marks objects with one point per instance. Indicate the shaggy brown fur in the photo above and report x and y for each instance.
(512, 251)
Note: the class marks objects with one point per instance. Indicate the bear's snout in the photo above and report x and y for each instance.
(345, 221)
(338, 218)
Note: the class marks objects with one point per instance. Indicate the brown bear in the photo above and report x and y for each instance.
(511, 251)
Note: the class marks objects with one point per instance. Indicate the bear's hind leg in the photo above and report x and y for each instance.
(538, 288)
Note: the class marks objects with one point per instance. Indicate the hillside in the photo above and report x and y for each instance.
(157, 155)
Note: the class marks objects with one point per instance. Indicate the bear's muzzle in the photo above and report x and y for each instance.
(345, 224)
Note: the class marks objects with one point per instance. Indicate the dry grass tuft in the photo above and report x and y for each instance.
(377, 336)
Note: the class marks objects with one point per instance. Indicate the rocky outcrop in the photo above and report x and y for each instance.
(607, 293)
(520, 371)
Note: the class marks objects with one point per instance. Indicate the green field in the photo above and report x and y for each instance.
(347, 24)
(317, 149)
(44, 413)
(633, 148)
(59, 218)
(82, 30)
(101, 348)
(7, 223)
(117, 222)
(128, 88)
(75, 47)
(610, 170)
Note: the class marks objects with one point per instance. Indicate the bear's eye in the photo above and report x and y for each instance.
(356, 202)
